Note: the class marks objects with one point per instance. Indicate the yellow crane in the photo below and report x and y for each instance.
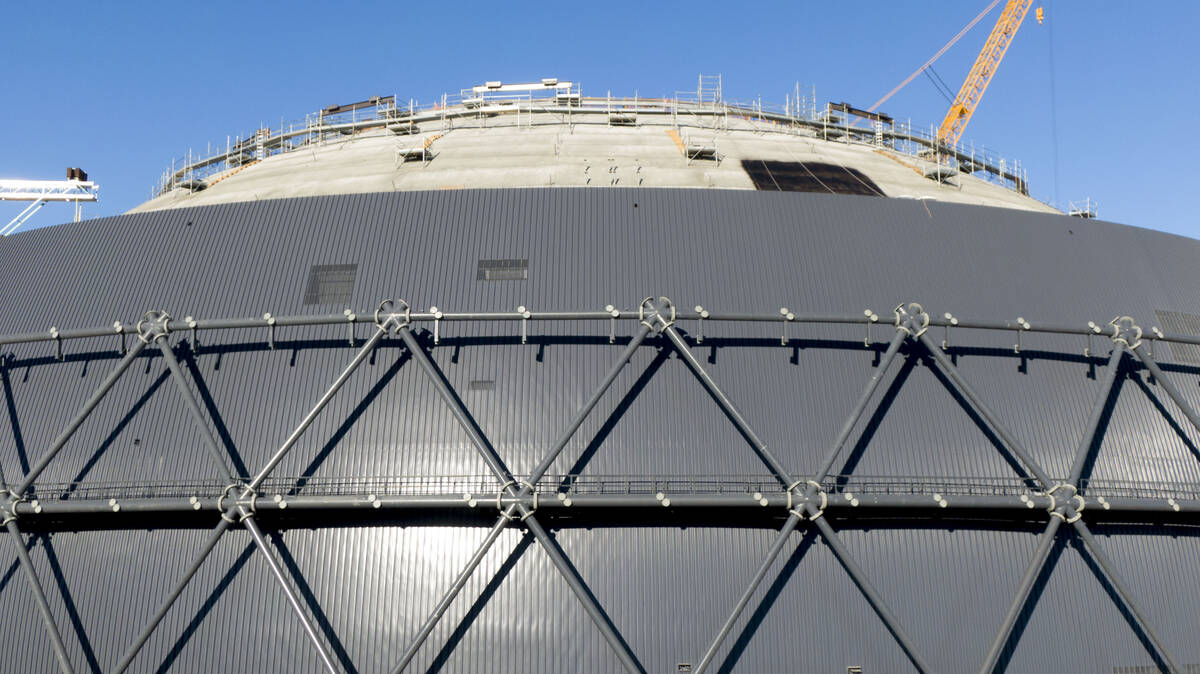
(981, 73)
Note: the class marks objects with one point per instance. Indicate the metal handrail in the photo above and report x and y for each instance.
(190, 326)
(316, 126)
(485, 486)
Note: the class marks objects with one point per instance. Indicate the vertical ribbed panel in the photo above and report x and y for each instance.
(667, 589)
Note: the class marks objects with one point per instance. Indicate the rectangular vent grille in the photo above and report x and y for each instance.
(502, 270)
(1187, 324)
(330, 284)
(483, 385)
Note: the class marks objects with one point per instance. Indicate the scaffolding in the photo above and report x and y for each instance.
(551, 101)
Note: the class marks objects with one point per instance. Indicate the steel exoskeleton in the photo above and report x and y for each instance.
(517, 497)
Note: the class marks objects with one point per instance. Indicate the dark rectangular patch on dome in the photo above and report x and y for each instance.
(802, 176)
(1184, 324)
(482, 385)
(502, 270)
(330, 283)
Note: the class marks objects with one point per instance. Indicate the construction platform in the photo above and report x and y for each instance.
(549, 135)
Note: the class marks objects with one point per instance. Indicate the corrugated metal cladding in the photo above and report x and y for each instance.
(666, 588)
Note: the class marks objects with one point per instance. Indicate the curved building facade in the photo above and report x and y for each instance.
(551, 428)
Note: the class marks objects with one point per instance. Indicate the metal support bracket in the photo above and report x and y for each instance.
(270, 321)
(525, 316)
(58, 349)
(872, 318)
(119, 329)
(701, 314)
(192, 341)
(437, 324)
(350, 318)
(950, 320)
(1022, 325)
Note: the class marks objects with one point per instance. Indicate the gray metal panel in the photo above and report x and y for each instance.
(666, 589)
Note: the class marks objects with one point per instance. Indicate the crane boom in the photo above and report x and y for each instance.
(981, 73)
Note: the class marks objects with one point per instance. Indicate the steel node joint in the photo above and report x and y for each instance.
(656, 314)
(8, 509)
(1126, 331)
(1070, 508)
(393, 315)
(518, 508)
(244, 503)
(812, 500)
(153, 326)
(911, 319)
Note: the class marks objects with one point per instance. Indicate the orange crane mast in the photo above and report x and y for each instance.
(981, 73)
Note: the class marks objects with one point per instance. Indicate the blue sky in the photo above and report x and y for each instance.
(121, 88)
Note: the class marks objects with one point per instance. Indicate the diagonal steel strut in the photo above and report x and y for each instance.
(727, 406)
(238, 510)
(1124, 330)
(1032, 571)
(181, 384)
(1046, 541)
(793, 519)
(1110, 571)
(269, 555)
(35, 585)
(502, 522)
(247, 520)
(60, 651)
(508, 484)
(1172, 392)
(964, 389)
(831, 538)
(35, 471)
(88, 406)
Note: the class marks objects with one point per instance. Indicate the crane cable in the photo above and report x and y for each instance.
(936, 56)
(939, 84)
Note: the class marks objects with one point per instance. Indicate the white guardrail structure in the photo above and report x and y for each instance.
(41, 191)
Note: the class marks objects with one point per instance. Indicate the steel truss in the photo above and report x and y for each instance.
(803, 500)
